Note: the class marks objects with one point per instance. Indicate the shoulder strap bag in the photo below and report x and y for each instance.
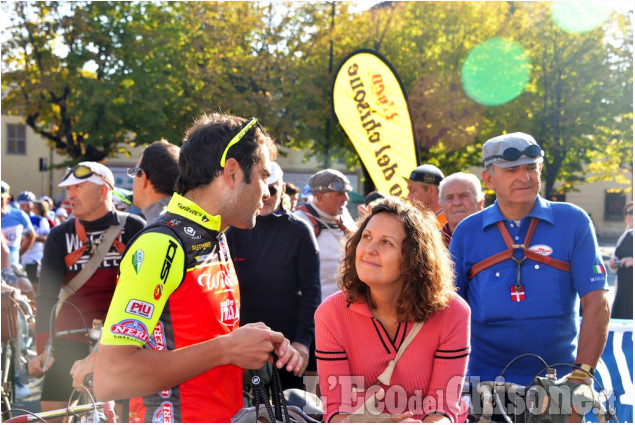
(92, 265)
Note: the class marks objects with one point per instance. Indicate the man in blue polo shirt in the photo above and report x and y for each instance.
(529, 303)
(16, 226)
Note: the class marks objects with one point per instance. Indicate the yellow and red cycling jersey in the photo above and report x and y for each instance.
(177, 287)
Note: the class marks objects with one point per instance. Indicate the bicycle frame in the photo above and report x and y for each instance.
(12, 351)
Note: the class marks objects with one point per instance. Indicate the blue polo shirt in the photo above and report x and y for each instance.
(546, 322)
(15, 223)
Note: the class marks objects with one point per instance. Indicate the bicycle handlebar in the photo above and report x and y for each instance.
(56, 414)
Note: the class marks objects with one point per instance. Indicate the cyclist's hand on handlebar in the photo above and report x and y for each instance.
(581, 396)
(35, 365)
(81, 369)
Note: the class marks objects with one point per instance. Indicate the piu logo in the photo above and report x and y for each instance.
(140, 308)
(189, 230)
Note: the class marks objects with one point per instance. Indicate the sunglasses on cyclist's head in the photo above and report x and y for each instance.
(84, 172)
(512, 154)
(238, 137)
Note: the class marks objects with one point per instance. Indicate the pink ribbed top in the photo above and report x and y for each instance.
(352, 347)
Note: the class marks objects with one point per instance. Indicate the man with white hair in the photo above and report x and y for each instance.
(460, 195)
(78, 275)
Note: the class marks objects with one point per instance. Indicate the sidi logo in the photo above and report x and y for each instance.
(140, 308)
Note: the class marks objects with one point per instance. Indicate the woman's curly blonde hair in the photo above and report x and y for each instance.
(428, 271)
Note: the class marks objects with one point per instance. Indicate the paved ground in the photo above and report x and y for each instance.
(32, 403)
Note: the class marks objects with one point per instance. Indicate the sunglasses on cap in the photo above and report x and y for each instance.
(83, 172)
(238, 137)
(512, 154)
(336, 186)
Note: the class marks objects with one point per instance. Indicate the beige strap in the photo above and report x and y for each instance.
(368, 411)
(91, 266)
(385, 376)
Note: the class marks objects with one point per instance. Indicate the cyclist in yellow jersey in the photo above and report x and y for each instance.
(171, 333)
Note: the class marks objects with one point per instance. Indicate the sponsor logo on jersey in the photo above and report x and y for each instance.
(201, 246)
(228, 312)
(173, 222)
(140, 308)
(157, 339)
(191, 233)
(132, 329)
(545, 250)
(137, 259)
(190, 210)
(205, 257)
(164, 413)
(167, 261)
(158, 291)
(166, 393)
(216, 279)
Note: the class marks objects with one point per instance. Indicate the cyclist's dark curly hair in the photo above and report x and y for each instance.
(204, 144)
(428, 272)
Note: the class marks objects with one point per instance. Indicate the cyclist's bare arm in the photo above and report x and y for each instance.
(594, 328)
(130, 371)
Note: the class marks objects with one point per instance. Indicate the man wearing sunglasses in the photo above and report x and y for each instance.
(154, 177)
(327, 215)
(527, 266)
(71, 247)
(171, 333)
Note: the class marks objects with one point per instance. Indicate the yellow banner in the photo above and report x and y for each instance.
(372, 108)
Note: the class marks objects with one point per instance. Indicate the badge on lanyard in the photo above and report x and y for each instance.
(517, 292)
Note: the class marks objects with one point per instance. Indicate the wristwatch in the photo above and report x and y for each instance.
(585, 367)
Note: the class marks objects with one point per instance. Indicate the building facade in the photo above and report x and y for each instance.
(26, 159)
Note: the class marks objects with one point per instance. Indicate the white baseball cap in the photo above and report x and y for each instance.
(91, 172)
(276, 174)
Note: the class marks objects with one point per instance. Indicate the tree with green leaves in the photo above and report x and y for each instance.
(578, 97)
(96, 77)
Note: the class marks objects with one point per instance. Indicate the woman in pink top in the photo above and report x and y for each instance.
(396, 272)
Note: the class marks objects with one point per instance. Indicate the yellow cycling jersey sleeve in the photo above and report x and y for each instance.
(151, 270)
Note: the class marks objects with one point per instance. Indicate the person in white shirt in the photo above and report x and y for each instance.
(326, 213)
